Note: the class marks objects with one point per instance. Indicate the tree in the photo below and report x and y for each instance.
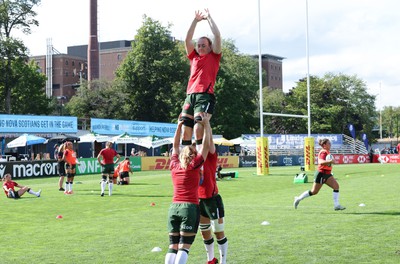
(28, 95)
(236, 93)
(336, 101)
(390, 121)
(102, 100)
(16, 14)
(150, 72)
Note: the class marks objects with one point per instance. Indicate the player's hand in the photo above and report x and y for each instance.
(199, 16)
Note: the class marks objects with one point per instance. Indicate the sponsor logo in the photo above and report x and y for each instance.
(288, 161)
(185, 227)
(162, 164)
(82, 167)
(35, 169)
(361, 159)
(2, 170)
(223, 162)
(308, 156)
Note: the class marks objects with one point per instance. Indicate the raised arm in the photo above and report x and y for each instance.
(216, 46)
(189, 45)
(207, 133)
(177, 138)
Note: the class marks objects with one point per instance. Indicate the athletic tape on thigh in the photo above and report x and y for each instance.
(217, 227)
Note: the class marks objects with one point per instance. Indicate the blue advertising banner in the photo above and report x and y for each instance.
(38, 124)
(136, 128)
(250, 161)
(295, 140)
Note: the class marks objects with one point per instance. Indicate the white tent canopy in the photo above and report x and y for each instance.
(25, 140)
(92, 137)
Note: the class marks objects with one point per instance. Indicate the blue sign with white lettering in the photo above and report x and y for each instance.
(38, 124)
(135, 128)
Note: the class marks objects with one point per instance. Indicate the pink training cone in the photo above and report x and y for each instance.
(152, 204)
(59, 216)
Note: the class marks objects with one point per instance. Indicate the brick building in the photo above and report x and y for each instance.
(65, 71)
(273, 66)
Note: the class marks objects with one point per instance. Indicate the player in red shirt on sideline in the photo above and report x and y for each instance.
(9, 188)
(183, 213)
(106, 159)
(212, 209)
(323, 176)
(69, 156)
(204, 66)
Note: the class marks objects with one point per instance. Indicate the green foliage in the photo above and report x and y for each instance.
(151, 73)
(17, 14)
(28, 95)
(236, 93)
(91, 223)
(100, 99)
(336, 100)
(390, 122)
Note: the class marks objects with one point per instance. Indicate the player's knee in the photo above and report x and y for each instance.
(104, 178)
(187, 121)
(173, 239)
(187, 240)
(197, 119)
(186, 142)
(217, 226)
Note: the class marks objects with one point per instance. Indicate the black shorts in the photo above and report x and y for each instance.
(16, 195)
(320, 177)
(212, 208)
(124, 174)
(70, 167)
(61, 168)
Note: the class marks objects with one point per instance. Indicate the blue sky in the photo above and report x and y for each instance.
(354, 37)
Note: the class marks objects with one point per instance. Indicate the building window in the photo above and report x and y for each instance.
(119, 57)
(66, 62)
(73, 63)
(66, 74)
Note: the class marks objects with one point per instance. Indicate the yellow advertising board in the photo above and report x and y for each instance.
(309, 157)
(262, 156)
(162, 163)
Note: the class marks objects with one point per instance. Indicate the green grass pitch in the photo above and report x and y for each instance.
(125, 227)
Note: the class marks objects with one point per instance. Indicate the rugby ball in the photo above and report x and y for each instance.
(329, 157)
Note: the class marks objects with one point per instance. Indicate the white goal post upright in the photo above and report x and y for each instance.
(262, 149)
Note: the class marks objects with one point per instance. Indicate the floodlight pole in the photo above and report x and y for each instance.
(260, 72)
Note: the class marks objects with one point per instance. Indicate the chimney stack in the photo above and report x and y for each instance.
(93, 47)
